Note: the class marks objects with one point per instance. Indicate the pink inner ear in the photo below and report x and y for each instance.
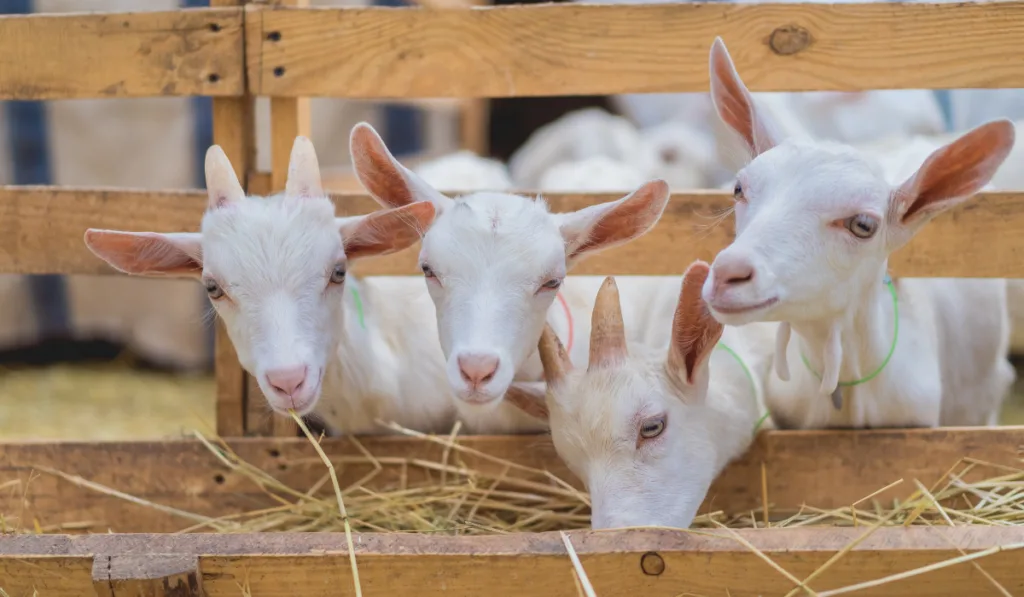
(629, 219)
(145, 253)
(386, 231)
(694, 330)
(734, 103)
(377, 171)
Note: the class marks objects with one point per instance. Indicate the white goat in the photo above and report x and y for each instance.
(649, 431)
(494, 264)
(594, 174)
(350, 350)
(815, 224)
(465, 171)
(576, 136)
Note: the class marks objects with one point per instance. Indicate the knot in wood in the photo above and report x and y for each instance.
(652, 564)
(789, 39)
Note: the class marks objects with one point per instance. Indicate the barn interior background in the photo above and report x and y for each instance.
(113, 357)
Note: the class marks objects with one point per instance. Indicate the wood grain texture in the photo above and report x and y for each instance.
(713, 563)
(184, 52)
(234, 130)
(826, 469)
(146, 575)
(568, 49)
(41, 231)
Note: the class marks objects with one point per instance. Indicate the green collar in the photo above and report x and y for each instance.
(750, 377)
(359, 306)
(892, 349)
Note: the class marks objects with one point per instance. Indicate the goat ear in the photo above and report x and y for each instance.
(695, 332)
(529, 397)
(734, 104)
(951, 175)
(390, 183)
(613, 223)
(178, 255)
(221, 182)
(303, 171)
(385, 231)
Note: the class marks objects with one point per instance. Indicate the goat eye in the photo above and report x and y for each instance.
(652, 427)
(737, 192)
(338, 274)
(213, 289)
(427, 272)
(552, 284)
(861, 225)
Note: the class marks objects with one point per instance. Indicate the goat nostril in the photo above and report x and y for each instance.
(476, 368)
(740, 279)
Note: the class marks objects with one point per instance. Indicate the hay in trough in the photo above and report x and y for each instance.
(458, 499)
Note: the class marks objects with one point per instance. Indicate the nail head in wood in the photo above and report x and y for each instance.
(274, 36)
(789, 39)
(652, 564)
(278, 71)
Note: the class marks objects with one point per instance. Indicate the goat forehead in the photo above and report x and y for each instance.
(271, 241)
(822, 176)
(605, 406)
(514, 233)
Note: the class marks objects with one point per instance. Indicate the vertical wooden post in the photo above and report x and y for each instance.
(234, 129)
(289, 118)
(475, 115)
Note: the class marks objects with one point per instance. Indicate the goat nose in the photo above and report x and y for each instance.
(287, 380)
(733, 272)
(478, 368)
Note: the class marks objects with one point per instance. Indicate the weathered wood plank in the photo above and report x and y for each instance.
(635, 562)
(827, 469)
(571, 49)
(63, 56)
(147, 575)
(234, 129)
(41, 231)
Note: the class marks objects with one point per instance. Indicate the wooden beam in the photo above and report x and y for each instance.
(41, 232)
(146, 575)
(572, 49)
(64, 56)
(826, 469)
(654, 563)
(234, 129)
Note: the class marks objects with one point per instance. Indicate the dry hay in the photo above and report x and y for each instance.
(462, 500)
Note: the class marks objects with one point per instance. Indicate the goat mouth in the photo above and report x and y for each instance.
(478, 399)
(737, 310)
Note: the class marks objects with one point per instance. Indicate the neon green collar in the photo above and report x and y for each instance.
(359, 306)
(750, 377)
(892, 349)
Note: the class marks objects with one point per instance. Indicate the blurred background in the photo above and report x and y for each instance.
(113, 357)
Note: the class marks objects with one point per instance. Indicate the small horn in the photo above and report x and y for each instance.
(552, 355)
(607, 334)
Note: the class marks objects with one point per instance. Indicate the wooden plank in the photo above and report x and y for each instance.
(289, 118)
(572, 49)
(648, 562)
(31, 575)
(41, 232)
(827, 469)
(63, 56)
(234, 129)
(147, 575)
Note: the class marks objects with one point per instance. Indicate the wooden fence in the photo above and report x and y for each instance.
(234, 52)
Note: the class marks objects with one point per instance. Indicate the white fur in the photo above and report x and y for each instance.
(490, 257)
(949, 366)
(273, 257)
(594, 174)
(595, 417)
(465, 171)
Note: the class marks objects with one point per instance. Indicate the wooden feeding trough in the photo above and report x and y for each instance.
(234, 52)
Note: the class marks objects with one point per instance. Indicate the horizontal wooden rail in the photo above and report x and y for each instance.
(66, 56)
(41, 230)
(826, 469)
(569, 49)
(654, 563)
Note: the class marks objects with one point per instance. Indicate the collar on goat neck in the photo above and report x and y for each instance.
(750, 378)
(568, 318)
(892, 348)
